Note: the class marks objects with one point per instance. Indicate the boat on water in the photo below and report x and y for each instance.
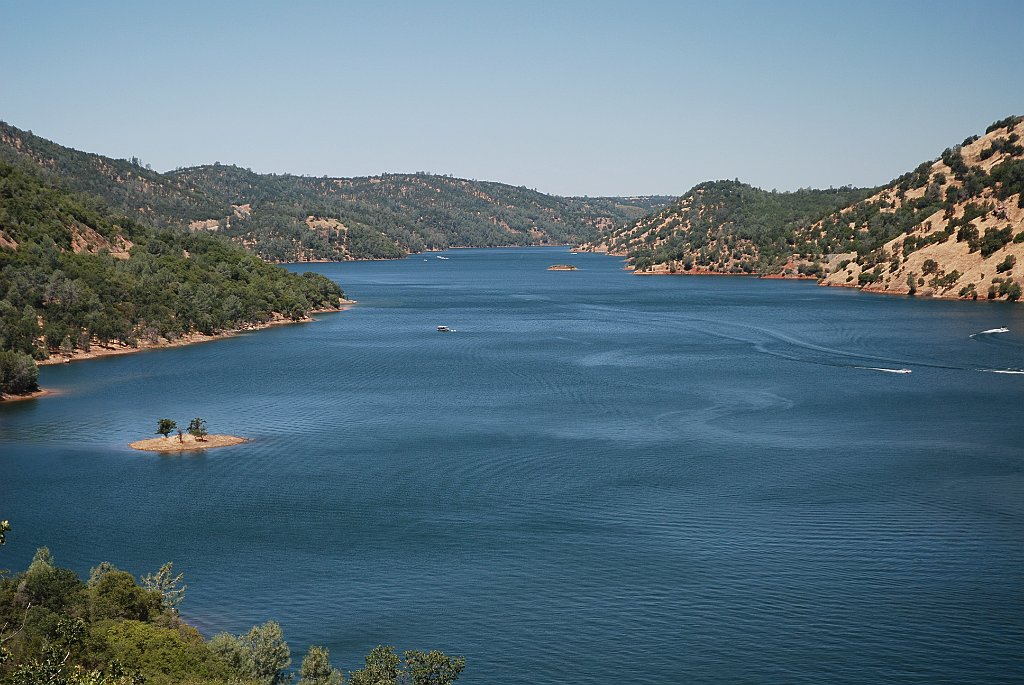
(445, 329)
(440, 257)
(991, 331)
(883, 369)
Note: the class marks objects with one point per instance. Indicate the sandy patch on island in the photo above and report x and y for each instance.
(187, 443)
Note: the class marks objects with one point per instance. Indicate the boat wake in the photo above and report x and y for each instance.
(1016, 372)
(884, 370)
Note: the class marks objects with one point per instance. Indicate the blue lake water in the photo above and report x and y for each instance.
(597, 477)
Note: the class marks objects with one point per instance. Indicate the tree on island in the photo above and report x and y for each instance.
(165, 426)
(197, 429)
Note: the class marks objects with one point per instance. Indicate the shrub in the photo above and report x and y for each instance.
(867, 277)
(994, 239)
(1009, 122)
(1006, 264)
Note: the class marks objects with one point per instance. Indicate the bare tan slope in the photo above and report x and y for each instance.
(972, 246)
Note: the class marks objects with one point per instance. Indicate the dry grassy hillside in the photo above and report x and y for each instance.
(971, 240)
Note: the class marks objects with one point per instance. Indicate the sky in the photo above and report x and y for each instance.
(573, 98)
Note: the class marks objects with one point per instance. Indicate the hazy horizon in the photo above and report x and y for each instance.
(569, 98)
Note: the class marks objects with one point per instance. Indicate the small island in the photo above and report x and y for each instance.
(561, 267)
(188, 443)
(195, 439)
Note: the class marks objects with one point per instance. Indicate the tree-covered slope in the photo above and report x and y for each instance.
(127, 187)
(73, 275)
(285, 217)
(723, 227)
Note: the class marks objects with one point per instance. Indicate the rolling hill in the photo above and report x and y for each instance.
(283, 217)
(74, 275)
(951, 228)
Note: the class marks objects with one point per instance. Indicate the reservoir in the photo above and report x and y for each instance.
(590, 476)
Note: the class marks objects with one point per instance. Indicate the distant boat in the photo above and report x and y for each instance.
(445, 329)
(440, 257)
(884, 370)
(991, 331)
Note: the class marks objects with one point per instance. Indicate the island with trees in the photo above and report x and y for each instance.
(195, 437)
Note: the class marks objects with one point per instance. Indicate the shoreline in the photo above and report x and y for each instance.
(98, 352)
(692, 273)
(34, 395)
(188, 443)
(407, 255)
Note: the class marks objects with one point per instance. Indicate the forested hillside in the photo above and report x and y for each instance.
(393, 214)
(724, 227)
(282, 217)
(74, 275)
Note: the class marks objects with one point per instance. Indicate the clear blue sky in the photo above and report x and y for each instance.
(593, 98)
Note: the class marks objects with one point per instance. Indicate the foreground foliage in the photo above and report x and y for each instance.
(56, 629)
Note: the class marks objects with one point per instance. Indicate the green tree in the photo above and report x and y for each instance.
(167, 585)
(100, 570)
(116, 596)
(317, 670)
(382, 668)
(18, 373)
(165, 426)
(261, 654)
(197, 429)
(434, 667)
(67, 348)
(164, 656)
(42, 561)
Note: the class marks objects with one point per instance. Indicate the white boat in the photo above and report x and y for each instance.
(440, 257)
(445, 329)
